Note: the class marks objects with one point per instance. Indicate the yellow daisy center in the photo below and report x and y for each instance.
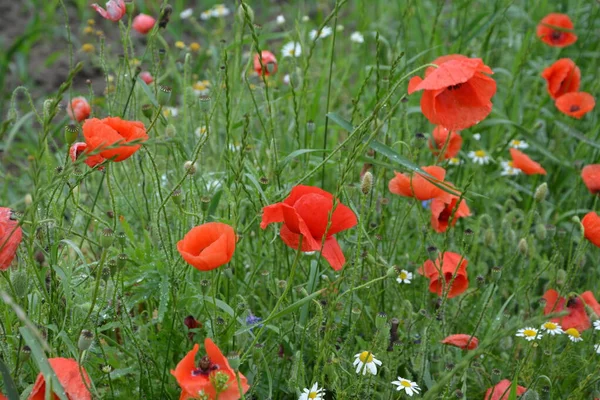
(179, 44)
(312, 395)
(405, 383)
(480, 153)
(403, 275)
(550, 326)
(516, 142)
(454, 160)
(529, 332)
(573, 332)
(366, 357)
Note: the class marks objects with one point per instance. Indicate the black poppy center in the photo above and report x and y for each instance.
(556, 35)
(205, 367)
(574, 108)
(455, 87)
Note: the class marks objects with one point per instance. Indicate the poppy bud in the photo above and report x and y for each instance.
(20, 283)
(176, 196)
(523, 247)
(489, 237)
(540, 232)
(243, 12)
(85, 340)
(550, 230)
(28, 199)
(530, 395)
(71, 133)
(234, 360)
(190, 167)
(367, 183)
(165, 16)
(25, 354)
(107, 238)
(164, 95)
(541, 192)
(147, 110)
(392, 272)
(561, 277)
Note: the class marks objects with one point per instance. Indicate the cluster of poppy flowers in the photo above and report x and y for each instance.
(563, 77)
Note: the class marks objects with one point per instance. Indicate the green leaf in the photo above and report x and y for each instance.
(513, 389)
(9, 384)
(340, 121)
(38, 355)
(165, 286)
(576, 134)
(148, 91)
(295, 154)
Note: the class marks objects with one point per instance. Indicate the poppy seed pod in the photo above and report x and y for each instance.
(164, 95)
(530, 395)
(234, 360)
(71, 133)
(190, 167)
(540, 232)
(86, 338)
(107, 238)
(147, 110)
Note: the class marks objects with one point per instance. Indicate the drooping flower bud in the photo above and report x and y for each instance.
(367, 183)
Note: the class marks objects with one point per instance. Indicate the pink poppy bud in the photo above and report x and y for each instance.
(146, 77)
(268, 61)
(10, 237)
(79, 109)
(115, 9)
(143, 23)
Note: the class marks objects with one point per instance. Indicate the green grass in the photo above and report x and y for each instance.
(347, 106)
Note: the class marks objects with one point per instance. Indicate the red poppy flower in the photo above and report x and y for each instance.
(195, 380)
(591, 228)
(525, 164)
(465, 342)
(442, 210)
(115, 9)
(591, 177)
(78, 148)
(502, 390)
(440, 136)
(562, 77)
(146, 77)
(79, 109)
(417, 185)
(114, 135)
(577, 317)
(268, 61)
(192, 323)
(305, 213)
(590, 300)
(575, 104)
(457, 94)
(554, 30)
(208, 246)
(3, 397)
(10, 237)
(143, 23)
(69, 376)
(448, 265)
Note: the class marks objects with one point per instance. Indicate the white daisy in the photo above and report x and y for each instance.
(574, 335)
(313, 393)
(201, 88)
(306, 18)
(477, 136)
(185, 14)
(404, 276)
(357, 37)
(479, 157)
(597, 348)
(518, 144)
(365, 361)
(286, 79)
(220, 11)
(200, 131)
(508, 169)
(280, 20)
(552, 328)
(455, 161)
(529, 334)
(409, 387)
(291, 49)
(597, 325)
(323, 33)
(170, 111)
(205, 15)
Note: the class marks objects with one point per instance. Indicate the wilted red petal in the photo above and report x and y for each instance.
(448, 265)
(79, 109)
(575, 104)
(78, 148)
(115, 10)
(589, 299)
(463, 341)
(547, 32)
(591, 227)
(70, 377)
(267, 58)
(591, 177)
(502, 390)
(10, 237)
(208, 246)
(442, 209)
(576, 318)
(562, 77)
(526, 164)
(438, 140)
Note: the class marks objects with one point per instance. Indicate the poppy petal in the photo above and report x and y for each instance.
(333, 253)
(413, 84)
(526, 164)
(589, 299)
(300, 190)
(292, 239)
(591, 177)
(463, 341)
(69, 374)
(502, 390)
(342, 218)
(11, 235)
(208, 246)
(591, 228)
(272, 214)
(575, 104)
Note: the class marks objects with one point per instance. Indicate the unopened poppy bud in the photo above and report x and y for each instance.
(147, 110)
(121, 260)
(367, 183)
(71, 133)
(234, 360)
(107, 238)
(121, 238)
(271, 67)
(310, 126)
(561, 277)
(109, 270)
(489, 237)
(85, 340)
(20, 283)
(164, 95)
(190, 167)
(243, 12)
(541, 192)
(28, 199)
(48, 104)
(25, 353)
(523, 247)
(165, 16)
(381, 321)
(530, 395)
(550, 230)
(540, 232)
(392, 272)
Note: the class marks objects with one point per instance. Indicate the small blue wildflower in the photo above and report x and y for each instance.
(426, 204)
(251, 319)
